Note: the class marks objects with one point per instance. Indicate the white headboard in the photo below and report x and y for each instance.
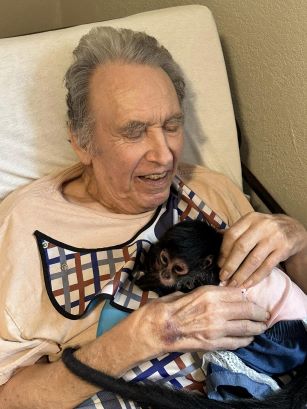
(32, 103)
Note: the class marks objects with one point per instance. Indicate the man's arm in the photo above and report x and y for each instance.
(208, 318)
(51, 385)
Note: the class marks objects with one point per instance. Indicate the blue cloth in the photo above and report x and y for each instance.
(223, 384)
(279, 350)
(109, 317)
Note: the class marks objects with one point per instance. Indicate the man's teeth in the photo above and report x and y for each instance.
(155, 176)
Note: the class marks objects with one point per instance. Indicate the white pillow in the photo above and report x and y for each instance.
(32, 104)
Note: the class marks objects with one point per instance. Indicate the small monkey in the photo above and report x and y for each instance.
(183, 259)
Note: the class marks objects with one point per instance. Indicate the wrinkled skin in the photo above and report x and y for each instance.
(206, 319)
(256, 243)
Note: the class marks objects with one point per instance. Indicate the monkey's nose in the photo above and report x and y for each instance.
(166, 275)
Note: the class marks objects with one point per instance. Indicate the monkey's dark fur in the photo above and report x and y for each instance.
(192, 247)
(187, 243)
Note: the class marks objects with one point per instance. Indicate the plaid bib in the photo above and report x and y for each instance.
(75, 277)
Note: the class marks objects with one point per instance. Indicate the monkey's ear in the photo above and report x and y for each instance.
(208, 261)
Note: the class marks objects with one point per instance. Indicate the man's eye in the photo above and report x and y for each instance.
(173, 128)
(135, 134)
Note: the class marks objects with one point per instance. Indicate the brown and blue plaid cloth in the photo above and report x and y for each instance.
(75, 277)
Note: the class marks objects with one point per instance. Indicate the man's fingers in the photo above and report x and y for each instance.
(237, 243)
(246, 311)
(244, 328)
(255, 244)
(232, 343)
(237, 229)
(264, 269)
(258, 258)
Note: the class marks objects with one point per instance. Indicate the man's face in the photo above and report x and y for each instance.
(138, 136)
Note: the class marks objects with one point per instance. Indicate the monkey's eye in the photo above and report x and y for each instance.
(177, 268)
(163, 258)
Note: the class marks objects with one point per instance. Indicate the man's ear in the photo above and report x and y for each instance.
(83, 154)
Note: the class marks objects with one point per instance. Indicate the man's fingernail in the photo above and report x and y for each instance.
(267, 316)
(223, 283)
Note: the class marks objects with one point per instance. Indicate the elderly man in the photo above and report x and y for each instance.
(81, 230)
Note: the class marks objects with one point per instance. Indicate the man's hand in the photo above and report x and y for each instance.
(208, 318)
(255, 244)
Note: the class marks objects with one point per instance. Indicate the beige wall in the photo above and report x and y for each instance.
(265, 46)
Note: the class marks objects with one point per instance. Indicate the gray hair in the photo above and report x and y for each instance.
(100, 46)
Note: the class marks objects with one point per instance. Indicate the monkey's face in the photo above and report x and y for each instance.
(170, 269)
(166, 272)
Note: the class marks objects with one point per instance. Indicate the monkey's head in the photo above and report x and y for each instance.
(183, 259)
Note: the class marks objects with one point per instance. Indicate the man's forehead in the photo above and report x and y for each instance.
(120, 75)
(130, 91)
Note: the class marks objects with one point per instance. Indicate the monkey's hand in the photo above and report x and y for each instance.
(258, 242)
(206, 319)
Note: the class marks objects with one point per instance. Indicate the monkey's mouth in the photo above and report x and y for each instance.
(167, 280)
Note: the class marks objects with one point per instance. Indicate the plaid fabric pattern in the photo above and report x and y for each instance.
(192, 207)
(175, 370)
(75, 277)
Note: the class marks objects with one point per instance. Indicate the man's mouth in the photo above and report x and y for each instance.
(155, 176)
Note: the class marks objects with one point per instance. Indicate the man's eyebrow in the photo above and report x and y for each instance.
(132, 126)
(135, 125)
(178, 118)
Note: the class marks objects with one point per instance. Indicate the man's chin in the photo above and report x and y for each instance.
(154, 201)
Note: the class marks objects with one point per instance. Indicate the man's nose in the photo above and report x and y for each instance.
(159, 150)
